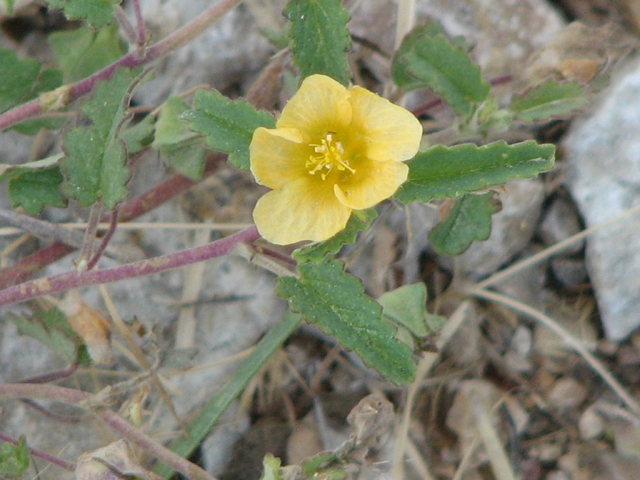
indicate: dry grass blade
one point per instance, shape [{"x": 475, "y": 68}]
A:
[
  {"x": 417, "y": 462},
  {"x": 549, "y": 252},
  {"x": 424, "y": 367},
  {"x": 406, "y": 19},
  {"x": 497, "y": 456},
  {"x": 186, "y": 327},
  {"x": 569, "y": 339}
]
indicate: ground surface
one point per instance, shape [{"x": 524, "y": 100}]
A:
[{"x": 505, "y": 392}]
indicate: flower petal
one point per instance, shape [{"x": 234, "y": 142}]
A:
[
  {"x": 305, "y": 210},
  {"x": 373, "y": 182},
  {"x": 321, "y": 105},
  {"x": 388, "y": 132},
  {"x": 278, "y": 156}
]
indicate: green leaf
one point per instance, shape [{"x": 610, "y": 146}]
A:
[
  {"x": 17, "y": 79},
  {"x": 136, "y": 137},
  {"x": 34, "y": 190},
  {"x": 271, "y": 468},
  {"x": 228, "y": 126},
  {"x": 469, "y": 219},
  {"x": 358, "y": 221},
  {"x": 22, "y": 80},
  {"x": 51, "y": 329},
  {"x": 202, "y": 423},
  {"x": 14, "y": 459},
  {"x": 188, "y": 157},
  {"x": 96, "y": 12},
  {"x": 8, "y": 4},
  {"x": 487, "y": 119},
  {"x": 8, "y": 171},
  {"x": 548, "y": 100},
  {"x": 184, "y": 149},
  {"x": 84, "y": 51},
  {"x": 401, "y": 76},
  {"x": 441, "y": 171},
  {"x": 430, "y": 61},
  {"x": 170, "y": 128},
  {"x": 95, "y": 157},
  {"x": 335, "y": 301},
  {"x": 406, "y": 306},
  {"x": 319, "y": 38},
  {"x": 314, "y": 464}
]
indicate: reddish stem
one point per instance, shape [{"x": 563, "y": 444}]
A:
[
  {"x": 142, "y": 34},
  {"x": 52, "y": 376},
  {"x": 75, "y": 279},
  {"x": 27, "y": 266},
  {"x": 45, "y": 456},
  {"x": 131, "y": 210},
  {"x": 113, "y": 223},
  {"x": 165, "y": 191}
]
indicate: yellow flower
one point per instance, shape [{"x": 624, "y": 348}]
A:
[{"x": 333, "y": 150}]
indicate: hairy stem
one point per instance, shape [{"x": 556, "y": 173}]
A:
[
  {"x": 142, "y": 34},
  {"x": 177, "y": 39},
  {"x": 76, "y": 279}
]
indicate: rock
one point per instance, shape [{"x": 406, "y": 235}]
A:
[
  {"x": 559, "y": 223},
  {"x": 557, "y": 475},
  {"x": 547, "y": 452},
  {"x": 569, "y": 272},
  {"x": 14, "y": 147},
  {"x": 517, "y": 356},
  {"x": 591, "y": 424},
  {"x": 626, "y": 437},
  {"x": 567, "y": 393},
  {"x": 527, "y": 286},
  {"x": 603, "y": 175}
]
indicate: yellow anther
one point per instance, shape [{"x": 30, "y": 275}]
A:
[{"x": 330, "y": 153}]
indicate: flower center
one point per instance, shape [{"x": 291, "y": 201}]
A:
[{"x": 329, "y": 154}]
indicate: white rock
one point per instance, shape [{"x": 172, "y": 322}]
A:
[
  {"x": 603, "y": 174},
  {"x": 567, "y": 393},
  {"x": 591, "y": 424}
]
